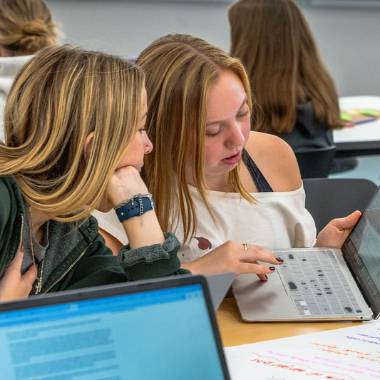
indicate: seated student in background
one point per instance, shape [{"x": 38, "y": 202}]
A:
[
  {"x": 26, "y": 26},
  {"x": 215, "y": 183},
  {"x": 75, "y": 140},
  {"x": 296, "y": 95}
]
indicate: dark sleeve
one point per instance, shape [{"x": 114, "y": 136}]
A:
[
  {"x": 99, "y": 267},
  {"x": 9, "y": 229},
  {"x": 158, "y": 260},
  {"x": 5, "y": 202}
]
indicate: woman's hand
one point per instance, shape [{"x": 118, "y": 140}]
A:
[
  {"x": 141, "y": 230},
  {"x": 14, "y": 285},
  {"x": 337, "y": 230},
  {"x": 124, "y": 184},
  {"x": 233, "y": 257}
]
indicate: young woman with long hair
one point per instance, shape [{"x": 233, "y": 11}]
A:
[
  {"x": 75, "y": 140},
  {"x": 296, "y": 95},
  {"x": 226, "y": 191}
]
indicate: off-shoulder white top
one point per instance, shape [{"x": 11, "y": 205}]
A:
[{"x": 276, "y": 220}]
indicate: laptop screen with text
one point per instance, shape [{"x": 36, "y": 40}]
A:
[{"x": 152, "y": 334}]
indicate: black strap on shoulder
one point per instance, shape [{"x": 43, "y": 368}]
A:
[{"x": 257, "y": 177}]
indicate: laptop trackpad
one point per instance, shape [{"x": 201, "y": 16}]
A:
[{"x": 263, "y": 301}]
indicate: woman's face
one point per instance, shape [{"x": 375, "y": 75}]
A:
[
  {"x": 135, "y": 151},
  {"x": 227, "y": 126},
  {"x": 140, "y": 143}
]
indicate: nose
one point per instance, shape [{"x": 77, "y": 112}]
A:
[
  {"x": 148, "y": 146},
  {"x": 235, "y": 137}
]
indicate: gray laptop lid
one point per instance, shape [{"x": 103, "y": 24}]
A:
[
  {"x": 157, "y": 330},
  {"x": 218, "y": 285}
]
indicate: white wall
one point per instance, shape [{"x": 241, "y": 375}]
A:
[
  {"x": 348, "y": 38},
  {"x": 126, "y": 27},
  {"x": 349, "y": 43}
]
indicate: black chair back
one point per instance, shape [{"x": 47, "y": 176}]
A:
[
  {"x": 315, "y": 163},
  {"x": 329, "y": 198}
]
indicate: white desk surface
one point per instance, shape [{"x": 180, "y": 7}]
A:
[{"x": 361, "y": 133}]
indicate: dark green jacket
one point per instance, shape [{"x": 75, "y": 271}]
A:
[{"x": 89, "y": 262}]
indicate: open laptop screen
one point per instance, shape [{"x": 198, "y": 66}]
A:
[
  {"x": 362, "y": 252},
  {"x": 153, "y": 334}
]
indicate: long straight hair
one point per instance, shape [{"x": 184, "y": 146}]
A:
[
  {"x": 276, "y": 46},
  {"x": 179, "y": 71},
  {"x": 59, "y": 98}
]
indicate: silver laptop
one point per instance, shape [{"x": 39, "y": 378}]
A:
[
  {"x": 163, "y": 329},
  {"x": 320, "y": 283},
  {"x": 218, "y": 286}
]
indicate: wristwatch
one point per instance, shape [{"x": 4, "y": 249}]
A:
[{"x": 136, "y": 206}]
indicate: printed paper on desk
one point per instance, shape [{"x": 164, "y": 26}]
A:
[{"x": 344, "y": 354}]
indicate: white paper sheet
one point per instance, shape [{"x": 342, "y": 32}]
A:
[{"x": 344, "y": 354}]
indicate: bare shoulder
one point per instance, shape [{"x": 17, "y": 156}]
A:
[{"x": 276, "y": 160}]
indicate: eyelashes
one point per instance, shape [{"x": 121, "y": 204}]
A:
[
  {"x": 217, "y": 128},
  {"x": 213, "y": 133},
  {"x": 243, "y": 114}
]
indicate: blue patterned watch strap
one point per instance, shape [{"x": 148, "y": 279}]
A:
[{"x": 136, "y": 206}]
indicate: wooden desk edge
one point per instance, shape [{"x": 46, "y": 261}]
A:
[{"x": 235, "y": 332}]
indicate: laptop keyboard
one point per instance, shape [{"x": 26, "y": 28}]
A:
[{"x": 316, "y": 284}]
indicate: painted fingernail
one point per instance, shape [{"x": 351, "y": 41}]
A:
[
  {"x": 279, "y": 259},
  {"x": 272, "y": 268},
  {"x": 265, "y": 278}
]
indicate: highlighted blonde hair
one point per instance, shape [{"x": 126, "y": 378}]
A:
[
  {"x": 180, "y": 69},
  {"x": 26, "y": 26},
  {"x": 276, "y": 46},
  {"x": 59, "y": 98}
]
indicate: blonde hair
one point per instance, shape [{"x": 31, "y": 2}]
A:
[
  {"x": 276, "y": 46},
  {"x": 26, "y": 26},
  {"x": 180, "y": 69},
  {"x": 59, "y": 98}
]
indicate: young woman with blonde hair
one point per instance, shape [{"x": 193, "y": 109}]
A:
[
  {"x": 216, "y": 184},
  {"x": 296, "y": 95},
  {"x": 75, "y": 141},
  {"x": 26, "y": 26}
]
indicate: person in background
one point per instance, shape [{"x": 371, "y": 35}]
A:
[
  {"x": 295, "y": 94},
  {"x": 26, "y": 26},
  {"x": 229, "y": 194},
  {"x": 75, "y": 140}
]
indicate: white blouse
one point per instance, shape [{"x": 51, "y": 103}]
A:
[
  {"x": 276, "y": 220},
  {"x": 109, "y": 222},
  {"x": 9, "y": 68}
]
